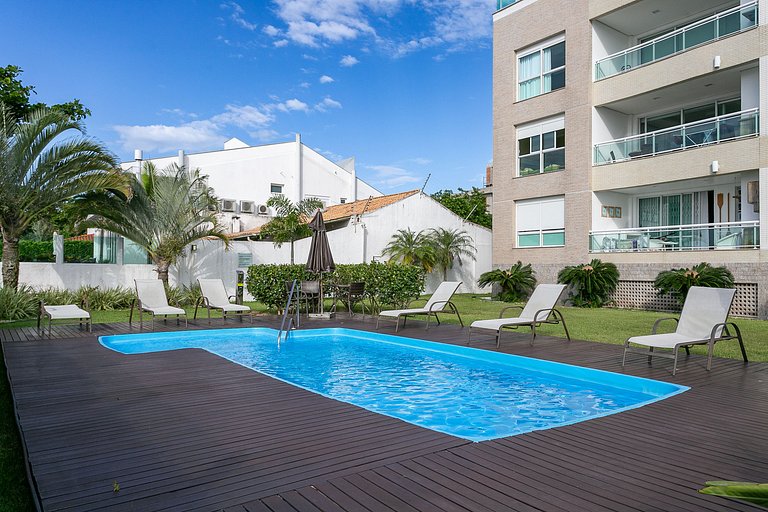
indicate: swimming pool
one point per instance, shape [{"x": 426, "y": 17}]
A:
[{"x": 466, "y": 392}]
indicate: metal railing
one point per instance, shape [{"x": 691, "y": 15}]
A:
[
  {"x": 685, "y": 136},
  {"x": 689, "y": 237},
  {"x": 294, "y": 292},
  {"x": 725, "y": 23}
]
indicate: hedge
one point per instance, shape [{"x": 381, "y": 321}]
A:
[
  {"x": 75, "y": 251},
  {"x": 386, "y": 284}
]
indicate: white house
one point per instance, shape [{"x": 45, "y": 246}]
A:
[
  {"x": 244, "y": 177},
  {"x": 358, "y": 232}
]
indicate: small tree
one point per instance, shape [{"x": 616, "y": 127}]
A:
[
  {"x": 449, "y": 245},
  {"x": 411, "y": 248},
  {"x": 679, "y": 280},
  {"x": 592, "y": 284},
  {"x": 467, "y": 204},
  {"x": 290, "y": 223},
  {"x": 516, "y": 283},
  {"x": 167, "y": 211}
]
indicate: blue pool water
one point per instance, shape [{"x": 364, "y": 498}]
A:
[{"x": 466, "y": 392}]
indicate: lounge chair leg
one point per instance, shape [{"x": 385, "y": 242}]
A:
[
  {"x": 469, "y": 336},
  {"x": 377, "y": 322},
  {"x": 562, "y": 319},
  {"x": 498, "y": 339},
  {"x": 427, "y": 327},
  {"x": 687, "y": 350},
  {"x": 674, "y": 364},
  {"x": 397, "y": 325},
  {"x": 624, "y": 357},
  {"x": 533, "y": 333},
  {"x": 650, "y": 355}
]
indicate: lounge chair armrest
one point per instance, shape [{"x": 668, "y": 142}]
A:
[
  {"x": 658, "y": 322},
  {"x": 230, "y": 297},
  {"x": 501, "y": 314},
  {"x": 536, "y": 314},
  {"x": 724, "y": 326},
  {"x": 85, "y": 304},
  {"x": 440, "y": 302}
]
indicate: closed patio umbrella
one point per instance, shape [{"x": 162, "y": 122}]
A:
[{"x": 320, "y": 258}]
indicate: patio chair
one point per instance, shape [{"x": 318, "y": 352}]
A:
[
  {"x": 214, "y": 296},
  {"x": 436, "y": 304},
  {"x": 350, "y": 294},
  {"x": 151, "y": 298},
  {"x": 310, "y": 292},
  {"x": 540, "y": 309},
  {"x": 65, "y": 312},
  {"x": 703, "y": 321}
]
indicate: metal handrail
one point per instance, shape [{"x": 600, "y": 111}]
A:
[
  {"x": 709, "y": 225},
  {"x": 680, "y": 31},
  {"x": 294, "y": 292}
]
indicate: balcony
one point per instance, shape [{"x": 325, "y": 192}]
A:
[
  {"x": 500, "y": 4},
  {"x": 691, "y": 237},
  {"x": 722, "y": 24},
  {"x": 678, "y": 138}
]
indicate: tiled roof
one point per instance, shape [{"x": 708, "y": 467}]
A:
[
  {"x": 346, "y": 210},
  {"x": 81, "y": 238}
]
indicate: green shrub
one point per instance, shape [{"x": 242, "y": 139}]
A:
[
  {"x": 75, "y": 251},
  {"x": 591, "y": 284},
  {"x": 57, "y": 296},
  {"x": 184, "y": 295},
  {"x": 267, "y": 282},
  {"x": 516, "y": 283},
  {"x": 679, "y": 280},
  {"x": 389, "y": 284},
  {"x": 17, "y": 304}
]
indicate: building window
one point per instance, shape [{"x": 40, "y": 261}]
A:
[
  {"x": 541, "y": 147},
  {"x": 541, "y": 70},
  {"x": 276, "y": 188},
  {"x": 343, "y": 200},
  {"x": 541, "y": 222}
]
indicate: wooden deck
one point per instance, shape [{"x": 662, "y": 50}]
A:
[{"x": 187, "y": 430}]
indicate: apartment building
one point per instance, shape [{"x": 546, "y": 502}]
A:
[{"x": 631, "y": 131}]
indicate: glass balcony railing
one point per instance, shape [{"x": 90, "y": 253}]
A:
[
  {"x": 500, "y": 4},
  {"x": 710, "y": 29},
  {"x": 685, "y": 136},
  {"x": 691, "y": 237}
]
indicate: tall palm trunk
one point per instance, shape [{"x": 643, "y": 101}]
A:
[
  {"x": 10, "y": 261},
  {"x": 162, "y": 271},
  {"x": 292, "y": 251}
]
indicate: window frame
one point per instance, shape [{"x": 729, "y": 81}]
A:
[
  {"x": 272, "y": 188},
  {"x": 539, "y": 49},
  {"x": 536, "y": 129},
  {"x": 540, "y": 231}
]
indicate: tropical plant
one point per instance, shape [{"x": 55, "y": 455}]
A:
[
  {"x": 290, "y": 223},
  {"x": 467, "y": 204},
  {"x": 17, "y": 304},
  {"x": 39, "y": 170},
  {"x": 516, "y": 283},
  {"x": 166, "y": 211},
  {"x": 679, "y": 280},
  {"x": 449, "y": 245},
  {"x": 16, "y": 97},
  {"x": 409, "y": 248},
  {"x": 744, "y": 491},
  {"x": 591, "y": 284}
]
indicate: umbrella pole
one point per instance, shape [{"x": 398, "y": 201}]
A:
[{"x": 321, "y": 293}]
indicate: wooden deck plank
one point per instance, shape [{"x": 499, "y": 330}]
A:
[{"x": 186, "y": 430}]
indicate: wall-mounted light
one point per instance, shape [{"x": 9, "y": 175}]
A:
[
  {"x": 193, "y": 248},
  {"x": 716, "y": 62},
  {"x": 714, "y": 167}
]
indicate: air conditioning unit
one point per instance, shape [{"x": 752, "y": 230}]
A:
[
  {"x": 228, "y": 205},
  {"x": 247, "y": 207},
  {"x": 262, "y": 209}
]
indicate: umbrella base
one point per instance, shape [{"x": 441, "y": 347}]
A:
[{"x": 322, "y": 316}]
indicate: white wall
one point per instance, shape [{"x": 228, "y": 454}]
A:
[
  {"x": 74, "y": 275},
  {"x": 607, "y": 41},
  {"x": 609, "y": 125},
  {"x": 600, "y": 199}
]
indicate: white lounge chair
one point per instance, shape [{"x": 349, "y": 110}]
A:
[
  {"x": 702, "y": 322},
  {"x": 152, "y": 299},
  {"x": 214, "y": 296},
  {"x": 436, "y": 304},
  {"x": 540, "y": 309},
  {"x": 66, "y": 312}
]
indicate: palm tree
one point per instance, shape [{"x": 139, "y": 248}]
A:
[
  {"x": 450, "y": 245},
  {"x": 166, "y": 211},
  {"x": 411, "y": 248},
  {"x": 38, "y": 171},
  {"x": 290, "y": 223}
]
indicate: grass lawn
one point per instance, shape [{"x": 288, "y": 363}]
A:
[{"x": 601, "y": 325}]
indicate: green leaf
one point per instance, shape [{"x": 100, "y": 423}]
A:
[{"x": 745, "y": 491}]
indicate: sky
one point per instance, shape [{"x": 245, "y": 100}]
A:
[{"x": 404, "y": 86}]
